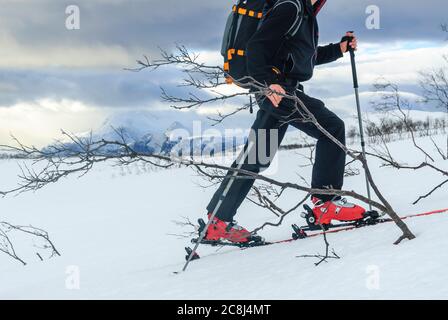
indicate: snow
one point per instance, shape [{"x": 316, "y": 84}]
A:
[{"x": 112, "y": 228}]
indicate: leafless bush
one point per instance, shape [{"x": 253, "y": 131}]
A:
[
  {"x": 8, "y": 248},
  {"x": 394, "y": 105}
]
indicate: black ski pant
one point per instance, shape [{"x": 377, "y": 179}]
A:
[{"x": 271, "y": 124}]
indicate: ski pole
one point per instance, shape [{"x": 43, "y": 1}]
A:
[
  {"x": 240, "y": 162},
  {"x": 358, "y": 105}
]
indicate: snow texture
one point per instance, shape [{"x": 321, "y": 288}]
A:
[{"x": 112, "y": 228}]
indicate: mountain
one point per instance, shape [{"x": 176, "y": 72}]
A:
[{"x": 146, "y": 132}]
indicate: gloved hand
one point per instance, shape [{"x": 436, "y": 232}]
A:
[{"x": 349, "y": 41}]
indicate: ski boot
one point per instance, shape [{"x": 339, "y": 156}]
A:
[
  {"x": 323, "y": 214},
  {"x": 220, "y": 232}
]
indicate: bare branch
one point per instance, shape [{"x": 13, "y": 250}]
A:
[{"x": 60, "y": 161}]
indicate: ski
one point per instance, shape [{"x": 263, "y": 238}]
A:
[
  {"x": 219, "y": 243},
  {"x": 300, "y": 233}
]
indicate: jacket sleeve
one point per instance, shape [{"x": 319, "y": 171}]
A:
[
  {"x": 330, "y": 53},
  {"x": 265, "y": 43}
]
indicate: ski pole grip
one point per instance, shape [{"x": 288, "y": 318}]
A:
[{"x": 349, "y": 41}]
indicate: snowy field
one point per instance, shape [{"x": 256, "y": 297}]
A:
[{"x": 112, "y": 228}]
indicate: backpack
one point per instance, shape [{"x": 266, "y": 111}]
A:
[{"x": 244, "y": 20}]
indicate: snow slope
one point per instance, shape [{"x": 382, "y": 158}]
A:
[{"x": 113, "y": 225}]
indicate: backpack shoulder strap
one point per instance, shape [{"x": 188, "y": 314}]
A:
[{"x": 299, "y": 18}]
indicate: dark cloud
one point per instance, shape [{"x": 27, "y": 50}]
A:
[
  {"x": 148, "y": 24},
  {"x": 98, "y": 88},
  {"x": 400, "y": 19},
  {"x": 199, "y": 23}
]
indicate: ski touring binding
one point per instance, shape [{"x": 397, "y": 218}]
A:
[
  {"x": 308, "y": 215},
  {"x": 299, "y": 233},
  {"x": 189, "y": 252}
]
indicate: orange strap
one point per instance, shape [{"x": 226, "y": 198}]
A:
[
  {"x": 245, "y": 12},
  {"x": 232, "y": 52}
]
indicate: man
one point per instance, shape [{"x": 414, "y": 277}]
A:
[{"x": 282, "y": 62}]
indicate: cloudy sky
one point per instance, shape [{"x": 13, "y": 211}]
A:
[{"x": 53, "y": 78}]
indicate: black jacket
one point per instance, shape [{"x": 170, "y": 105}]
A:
[{"x": 270, "y": 50}]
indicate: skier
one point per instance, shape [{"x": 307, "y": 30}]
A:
[{"x": 283, "y": 63}]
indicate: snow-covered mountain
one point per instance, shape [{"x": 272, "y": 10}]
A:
[
  {"x": 148, "y": 132},
  {"x": 142, "y": 130}
]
